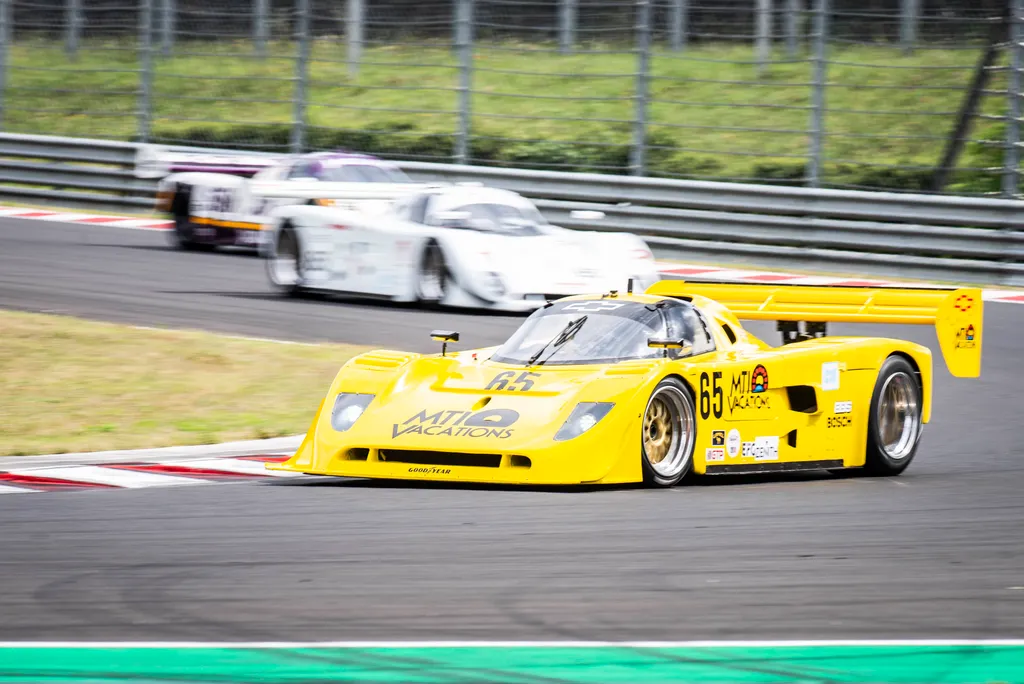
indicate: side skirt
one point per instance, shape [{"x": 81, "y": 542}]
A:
[{"x": 753, "y": 468}]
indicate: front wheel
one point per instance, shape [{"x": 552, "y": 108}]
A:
[
  {"x": 433, "y": 275},
  {"x": 284, "y": 264},
  {"x": 894, "y": 426},
  {"x": 669, "y": 434}
]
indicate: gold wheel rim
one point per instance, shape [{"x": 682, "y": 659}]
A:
[
  {"x": 658, "y": 431},
  {"x": 898, "y": 416}
]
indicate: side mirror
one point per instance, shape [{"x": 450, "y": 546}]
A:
[
  {"x": 444, "y": 337},
  {"x": 586, "y": 215},
  {"x": 666, "y": 344}
]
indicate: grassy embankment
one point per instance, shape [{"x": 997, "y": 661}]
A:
[
  {"x": 74, "y": 385},
  {"x": 197, "y": 98}
]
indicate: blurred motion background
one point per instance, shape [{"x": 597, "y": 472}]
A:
[{"x": 919, "y": 95}]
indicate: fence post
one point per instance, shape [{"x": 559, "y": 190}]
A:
[
  {"x": 793, "y": 10},
  {"x": 566, "y": 25},
  {"x": 637, "y": 153},
  {"x": 302, "y": 39},
  {"x": 354, "y": 36},
  {"x": 145, "y": 104},
  {"x": 817, "y": 137},
  {"x": 6, "y": 22},
  {"x": 167, "y": 16},
  {"x": 909, "y": 15},
  {"x": 73, "y": 28},
  {"x": 464, "y": 45},
  {"x": 677, "y": 24},
  {"x": 764, "y": 36},
  {"x": 260, "y": 27},
  {"x": 1011, "y": 154}
]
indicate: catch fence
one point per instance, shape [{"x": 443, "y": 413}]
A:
[{"x": 918, "y": 95}]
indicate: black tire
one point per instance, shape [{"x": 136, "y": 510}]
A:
[
  {"x": 894, "y": 424},
  {"x": 182, "y": 236},
  {"x": 432, "y": 276},
  {"x": 287, "y": 247},
  {"x": 675, "y": 398}
]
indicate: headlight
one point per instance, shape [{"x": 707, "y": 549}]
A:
[
  {"x": 582, "y": 418},
  {"x": 347, "y": 409}
]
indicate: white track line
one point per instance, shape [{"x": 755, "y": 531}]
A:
[
  {"x": 7, "y": 489},
  {"x": 804, "y": 643},
  {"x": 113, "y": 477},
  {"x": 232, "y": 465}
]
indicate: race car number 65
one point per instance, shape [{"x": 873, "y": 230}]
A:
[{"x": 706, "y": 399}]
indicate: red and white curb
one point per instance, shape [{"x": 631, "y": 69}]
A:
[
  {"x": 144, "y": 468},
  {"x": 668, "y": 268}
]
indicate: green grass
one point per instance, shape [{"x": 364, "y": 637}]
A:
[
  {"x": 699, "y": 127},
  {"x": 73, "y": 385}
]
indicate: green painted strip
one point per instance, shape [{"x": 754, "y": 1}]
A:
[{"x": 975, "y": 664}]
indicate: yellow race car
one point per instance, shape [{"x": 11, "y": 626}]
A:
[{"x": 620, "y": 388}]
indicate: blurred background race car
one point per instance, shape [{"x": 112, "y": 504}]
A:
[
  {"x": 226, "y": 199},
  {"x": 465, "y": 246}
]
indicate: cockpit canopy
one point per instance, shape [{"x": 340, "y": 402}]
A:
[{"x": 577, "y": 332}]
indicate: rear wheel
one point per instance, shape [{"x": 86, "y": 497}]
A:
[
  {"x": 284, "y": 265},
  {"x": 182, "y": 235},
  {"x": 669, "y": 434},
  {"x": 894, "y": 425},
  {"x": 432, "y": 278}
]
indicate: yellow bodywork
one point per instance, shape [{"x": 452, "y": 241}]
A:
[{"x": 462, "y": 417}]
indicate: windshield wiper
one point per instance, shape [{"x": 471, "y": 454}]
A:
[{"x": 567, "y": 333}]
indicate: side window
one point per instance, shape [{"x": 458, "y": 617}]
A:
[
  {"x": 418, "y": 209},
  {"x": 687, "y": 323},
  {"x": 302, "y": 169}
]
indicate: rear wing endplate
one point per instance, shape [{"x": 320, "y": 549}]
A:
[{"x": 955, "y": 313}]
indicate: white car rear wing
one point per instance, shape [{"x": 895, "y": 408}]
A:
[{"x": 155, "y": 161}]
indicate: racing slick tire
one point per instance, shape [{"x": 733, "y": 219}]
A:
[
  {"x": 432, "y": 276},
  {"x": 182, "y": 235},
  {"x": 894, "y": 424},
  {"x": 284, "y": 264},
  {"x": 668, "y": 434}
]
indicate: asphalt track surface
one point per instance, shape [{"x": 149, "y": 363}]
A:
[{"x": 938, "y": 552}]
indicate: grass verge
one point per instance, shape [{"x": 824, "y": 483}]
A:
[
  {"x": 711, "y": 115},
  {"x": 73, "y": 385}
]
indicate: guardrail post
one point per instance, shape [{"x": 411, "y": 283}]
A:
[
  {"x": 354, "y": 36},
  {"x": 793, "y": 10},
  {"x": 73, "y": 28},
  {"x": 464, "y": 46},
  {"x": 260, "y": 26},
  {"x": 298, "y": 141},
  {"x": 1011, "y": 153},
  {"x": 764, "y": 36},
  {"x": 6, "y": 21},
  {"x": 145, "y": 69},
  {"x": 817, "y": 137},
  {"x": 909, "y": 15},
  {"x": 677, "y": 24},
  {"x": 638, "y": 151},
  {"x": 566, "y": 25},
  {"x": 167, "y": 16}
]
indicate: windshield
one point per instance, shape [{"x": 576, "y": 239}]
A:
[
  {"x": 502, "y": 218},
  {"x": 362, "y": 173},
  {"x": 602, "y": 331}
]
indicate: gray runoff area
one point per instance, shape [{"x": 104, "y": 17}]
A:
[{"x": 937, "y": 552}]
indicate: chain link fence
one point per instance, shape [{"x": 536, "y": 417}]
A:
[{"x": 919, "y": 95}]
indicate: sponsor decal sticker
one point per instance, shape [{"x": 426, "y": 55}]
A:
[
  {"x": 732, "y": 444},
  {"x": 830, "y": 376},
  {"x": 965, "y": 338},
  {"x": 487, "y": 423},
  {"x": 762, "y": 449},
  {"x": 714, "y": 455},
  {"x": 839, "y": 421},
  {"x": 430, "y": 470},
  {"x": 963, "y": 303},
  {"x": 748, "y": 389},
  {"x": 718, "y": 438},
  {"x": 842, "y": 407}
]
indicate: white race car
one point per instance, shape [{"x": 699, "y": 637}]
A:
[
  {"x": 213, "y": 202},
  {"x": 464, "y": 246}
]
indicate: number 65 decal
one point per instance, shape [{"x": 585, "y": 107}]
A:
[
  {"x": 504, "y": 380},
  {"x": 714, "y": 400}
]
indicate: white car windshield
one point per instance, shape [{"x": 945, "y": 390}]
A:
[
  {"x": 602, "y": 331},
  {"x": 502, "y": 218},
  {"x": 361, "y": 173}
]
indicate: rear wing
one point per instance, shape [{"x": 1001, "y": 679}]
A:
[
  {"x": 155, "y": 161},
  {"x": 955, "y": 313}
]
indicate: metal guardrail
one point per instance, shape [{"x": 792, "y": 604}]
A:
[{"x": 935, "y": 237}]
